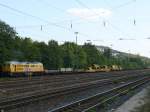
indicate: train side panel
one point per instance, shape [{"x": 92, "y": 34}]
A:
[{"x": 23, "y": 67}]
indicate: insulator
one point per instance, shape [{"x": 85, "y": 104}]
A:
[
  {"x": 134, "y": 22},
  {"x": 41, "y": 28},
  {"x": 104, "y": 23},
  {"x": 71, "y": 25}
]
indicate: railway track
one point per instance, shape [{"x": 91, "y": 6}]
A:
[
  {"x": 67, "y": 88},
  {"x": 39, "y": 80},
  {"x": 18, "y": 88},
  {"x": 90, "y": 103},
  {"x": 22, "y": 100},
  {"x": 61, "y": 77},
  {"x": 86, "y": 82}
]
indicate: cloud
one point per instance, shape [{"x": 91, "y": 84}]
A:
[{"x": 90, "y": 14}]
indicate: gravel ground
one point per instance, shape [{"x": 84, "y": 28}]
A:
[
  {"x": 133, "y": 102},
  {"x": 54, "y": 102},
  {"x": 49, "y": 104}
]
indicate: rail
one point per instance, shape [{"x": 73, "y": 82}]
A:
[{"x": 79, "y": 106}]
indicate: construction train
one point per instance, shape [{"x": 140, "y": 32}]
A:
[{"x": 30, "y": 68}]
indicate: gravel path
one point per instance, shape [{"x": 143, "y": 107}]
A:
[{"x": 133, "y": 102}]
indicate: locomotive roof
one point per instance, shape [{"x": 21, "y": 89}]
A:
[{"x": 17, "y": 62}]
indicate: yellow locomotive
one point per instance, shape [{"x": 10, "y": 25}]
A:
[
  {"x": 22, "y": 67},
  {"x": 115, "y": 67},
  {"x": 103, "y": 68}
]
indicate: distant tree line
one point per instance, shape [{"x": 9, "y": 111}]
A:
[{"x": 54, "y": 56}]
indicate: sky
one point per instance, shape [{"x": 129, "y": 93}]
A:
[{"x": 121, "y": 24}]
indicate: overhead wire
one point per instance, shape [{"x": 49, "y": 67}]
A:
[
  {"x": 52, "y": 6},
  {"x": 32, "y": 16},
  {"x": 107, "y": 3},
  {"x": 39, "y": 18},
  {"x": 59, "y": 9},
  {"x": 124, "y": 4},
  {"x": 83, "y": 5},
  {"x": 62, "y": 10},
  {"x": 104, "y": 23}
]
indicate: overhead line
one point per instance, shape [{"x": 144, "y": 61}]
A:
[
  {"x": 40, "y": 19},
  {"x": 124, "y": 4},
  {"x": 32, "y": 16},
  {"x": 82, "y": 4},
  {"x": 113, "y": 26},
  {"x": 79, "y": 2},
  {"x": 50, "y": 5}
]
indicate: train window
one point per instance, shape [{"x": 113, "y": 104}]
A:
[
  {"x": 26, "y": 65},
  {"x": 19, "y": 65},
  {"x": 32, "y": 66}
]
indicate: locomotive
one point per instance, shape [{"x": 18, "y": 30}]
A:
[
  {"x": 17, "y": 68},
  {"x": 103, "y": 68}
]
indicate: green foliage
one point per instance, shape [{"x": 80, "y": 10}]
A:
[
  {"x": 93, "y": 55},
  {"x": 7, "y": 35},
  {"x": 54, "y": 56},
  {"x": 54, "y": 52},
  {"x": 107, "y": 53},
  {"x": 69, "y": 54}
]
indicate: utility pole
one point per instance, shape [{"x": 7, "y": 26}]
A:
[
  {"x": 76, "y": 64},
  {"x": 76, "y": 33},
  {"x": 128, "y": 56}
]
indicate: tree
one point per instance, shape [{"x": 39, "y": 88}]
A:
[
  {"x": 7, "y": 35},
  {"x": 29, "y": 50},
  {"x": 6, "y": 30},
  {"x": 107, "y": 53},
  {"x": 68, "y": 54},
  {"x": 81, "y": 58},
  {"x": 93, "y": 55},
  {"x": 55, "y": 58},
  {"x": 44, "y": 53}
]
